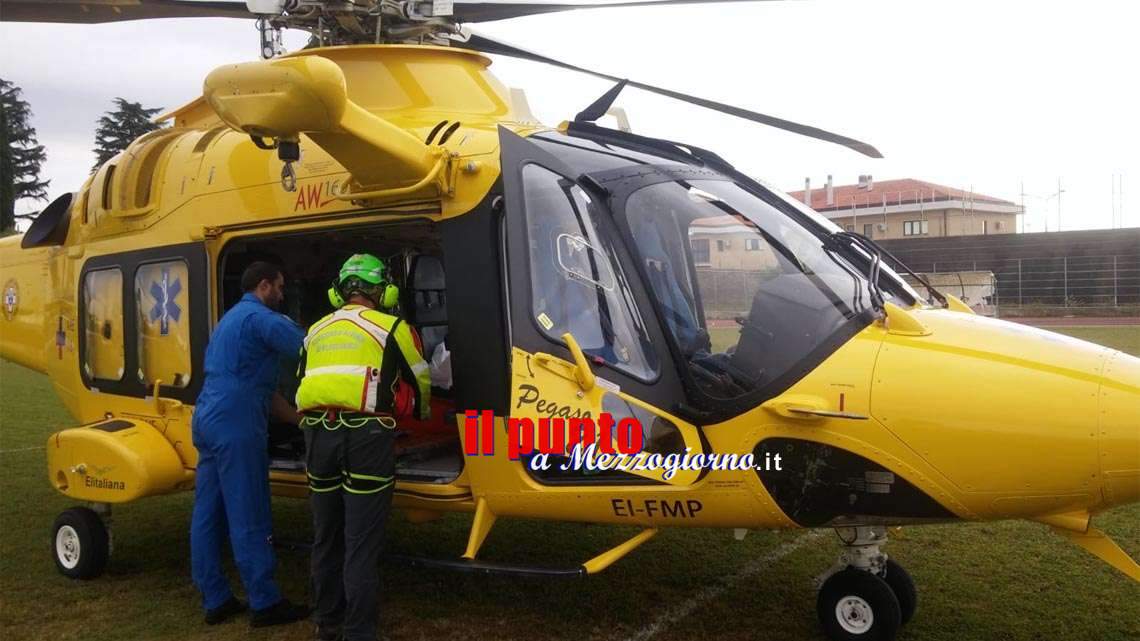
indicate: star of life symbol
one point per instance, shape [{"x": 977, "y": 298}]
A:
[{"x": 165, "y": 295}]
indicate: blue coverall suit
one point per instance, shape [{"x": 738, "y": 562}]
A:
[{"x": 231, "y": 492}]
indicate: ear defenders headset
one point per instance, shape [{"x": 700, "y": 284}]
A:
[{"x": 388, "y": 299}]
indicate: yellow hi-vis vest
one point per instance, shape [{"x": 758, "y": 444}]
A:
[{"x": 352, "y": 360}]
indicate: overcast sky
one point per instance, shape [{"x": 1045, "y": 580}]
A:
[{"x": 981, "y": 94}]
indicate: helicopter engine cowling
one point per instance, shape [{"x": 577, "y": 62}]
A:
[{"x": 1020, "y": 420}]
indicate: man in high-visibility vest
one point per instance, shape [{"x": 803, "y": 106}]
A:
[{"x": 360, "y": 370}]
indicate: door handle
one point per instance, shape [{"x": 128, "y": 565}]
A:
[
  {"x": 826, "y": 413},
  {"x": 804, "y": 407},
  {"x": 579, "y": 371},
  {"x": 582, "y": 372}
]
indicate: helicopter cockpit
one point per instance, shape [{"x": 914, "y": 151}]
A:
[
  {"x": 745, "y": 291},
  {"x": 749, "y": 290}
]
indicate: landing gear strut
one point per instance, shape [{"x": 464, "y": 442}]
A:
[{"x": 867, "y": 596}]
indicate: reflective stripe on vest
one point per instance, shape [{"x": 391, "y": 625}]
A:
[
  {"x": 343, "y": 355},
  {"x": 353, "y": 315}
]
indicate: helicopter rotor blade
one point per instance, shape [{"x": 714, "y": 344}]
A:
[
  {"x": 491, "y": 11},
  {"x": 485, "y": 44},
  {"x": 100, "y": 11}
]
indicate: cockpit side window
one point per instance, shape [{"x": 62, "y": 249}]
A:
[{"x": 576, "y": 284}]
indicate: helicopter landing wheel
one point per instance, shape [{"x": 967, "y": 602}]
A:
[
  {"x": 903, "y": 586},
  {"x": 855, "y": 605},
  {"x": 868, "y": 596},
  {"x": 80, "y": 543}
]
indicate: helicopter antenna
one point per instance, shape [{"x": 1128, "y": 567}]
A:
[{"x": 602, "y": 105}]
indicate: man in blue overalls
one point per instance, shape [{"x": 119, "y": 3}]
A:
[{"x": 231, "y": 493}]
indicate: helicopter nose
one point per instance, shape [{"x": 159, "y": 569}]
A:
[
  {"x": 1120, "y": 429},
  {"x": 1020, "y": 420}
]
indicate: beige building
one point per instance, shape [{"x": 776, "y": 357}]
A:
[
  {"x": 725, "y": 243},
  {"x": 910, "y": 208}
]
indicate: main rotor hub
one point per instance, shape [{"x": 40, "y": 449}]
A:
[{"x": 350, "y": 22}]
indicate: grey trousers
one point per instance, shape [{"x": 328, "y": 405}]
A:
[{"x": 351, "y": 479}]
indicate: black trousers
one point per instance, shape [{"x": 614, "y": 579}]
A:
[{"x": 351, "y": 479}]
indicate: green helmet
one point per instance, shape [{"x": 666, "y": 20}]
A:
[
  {"x": 366, "y": 267},
  {"x": 364, "y": 274}
]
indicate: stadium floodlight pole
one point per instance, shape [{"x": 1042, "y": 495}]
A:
[
  {"x": 1045, "y": 200},
  {"x": 1057, "y": 195},
  {"x": 1059, "y": 192}
]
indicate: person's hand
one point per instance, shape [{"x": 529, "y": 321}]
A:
[{"x": 281, "y": 410}]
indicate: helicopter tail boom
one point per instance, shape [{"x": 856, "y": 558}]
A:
[{"x": 24, "y": 333}]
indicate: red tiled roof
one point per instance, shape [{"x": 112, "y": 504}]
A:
[
  {"x": 718, "y": 221},
  {"x": 892, "y": 192}
]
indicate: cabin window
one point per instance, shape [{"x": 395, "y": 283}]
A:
[
  {"x": 102, "y": 303},
  {"x": 162, "y": 310},
  {"x": 576, "y": 285}
]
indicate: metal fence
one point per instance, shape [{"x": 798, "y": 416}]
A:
[
  {"x": 728, "y": 293},
  {"x": 1045, "y": 285},
  {"x": 1058, "y": 281}
]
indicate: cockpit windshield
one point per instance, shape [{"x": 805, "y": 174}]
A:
[{"x": 746, "y": 291}]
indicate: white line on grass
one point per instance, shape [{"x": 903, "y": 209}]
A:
[
  {"x": 749, "y": 570},
  {"x": 21, "y": 449}
]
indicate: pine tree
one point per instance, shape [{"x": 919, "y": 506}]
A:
[
  {"x": 120, "y": 127},
  {"x": 21, "y": 156}
]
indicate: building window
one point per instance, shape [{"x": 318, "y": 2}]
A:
[
  {"x": 868, "y": 230},
  {"x": 700, "y": 248},
  {"x": 752, "y": 244},
  {"x": 915, "y": 228},
  {"x": 162, "y": 307},
  {"x": 103, "y": 356},
  {"x": 722, "y": 245},
  {"x": 985, "y": 227},
  {"x": 850, "y": 227}
]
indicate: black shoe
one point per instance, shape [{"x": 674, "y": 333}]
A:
[
  {"x": 279, "y": 613},
  {"x": 329, "y": 634},
  {"x": 225, "y": 611}
]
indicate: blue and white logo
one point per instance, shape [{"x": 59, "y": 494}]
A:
[{"x": 165, "y": 294}]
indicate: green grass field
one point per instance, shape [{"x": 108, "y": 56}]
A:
[{"x": 997, "y": 581}]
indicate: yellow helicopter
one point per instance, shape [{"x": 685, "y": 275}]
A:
[{"x": 568, "y": 270}]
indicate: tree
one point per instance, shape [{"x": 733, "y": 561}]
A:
[
  {"x": 120, "y": 127},
  {"x": 21, "y": 156}
]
